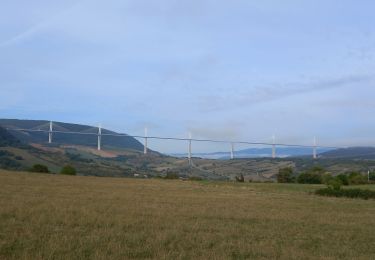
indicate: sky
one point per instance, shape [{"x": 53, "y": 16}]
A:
[{"x": 232, "y": 70}]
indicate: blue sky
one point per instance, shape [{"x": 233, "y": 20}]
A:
[{"x": 236, "y": 70}]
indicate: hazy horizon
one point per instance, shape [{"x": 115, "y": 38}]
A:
[{"x": 242, "y": 70}]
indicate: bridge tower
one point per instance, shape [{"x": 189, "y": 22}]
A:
[
  {"x": 145, "y": 146},
  {"x": 232, "y": 151},
  {"x": 314, "y": 148},
  {"x": 50, "y": 132},
  {"x": 99, "y": 137},
  {"x": 273, "y": 146},
  {"x": 189, "y": 150}
]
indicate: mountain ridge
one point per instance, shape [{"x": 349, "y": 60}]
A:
[
  {"x": 87, "y": 139},
  {"x": 356, "y": 152},
  {"x": 281, "y": 152}
]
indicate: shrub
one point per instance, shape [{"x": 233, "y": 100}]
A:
[
  {"x": 335, "y": 184},
  {"x": 317, "y": 169},
  {"x": 372, "y": 176},
  {"x": 310, "y": 178},
  {"x": 195, "y": 178},
  {"x": 68, "y": 170},
  {"x": 240, "y": 178},
  {"x": 356, "y": 178},
  {"x": 343, "y": 178},
  {"x": 39, "y": 168},
  {"x": 285, "y": 175},
  {"x": 171, "y": 176},
  {"x": 349, "y": 193},
  {"x": 327, "y": 178}
]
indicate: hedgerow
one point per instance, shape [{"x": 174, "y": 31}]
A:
[{"x": 349, "y": 193}]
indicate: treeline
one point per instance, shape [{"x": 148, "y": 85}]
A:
[
  {"x": 318, "y": 175},
  {"x": 66, "y": 170}
]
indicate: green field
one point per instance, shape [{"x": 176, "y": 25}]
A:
[{"x": 71, "y": 217}]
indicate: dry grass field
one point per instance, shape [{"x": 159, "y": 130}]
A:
[{"x": 69, "y": 217}]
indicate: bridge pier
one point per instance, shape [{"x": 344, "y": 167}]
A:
[
  {"x": 50, "y": 132},
  {"x": 145, "y": 145},
  {"x": 99, "y": 137}
]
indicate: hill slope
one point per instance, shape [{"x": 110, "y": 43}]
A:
[
  {"x": 7, "y": 139},
  {"x": 71, "y": 139},
  {"x": 124, "y": 162},
  {"x": 281, "y": 152},
  {"x": 352, "y": 153}
]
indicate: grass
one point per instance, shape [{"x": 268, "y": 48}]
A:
[{"x": 70, "y": 217}]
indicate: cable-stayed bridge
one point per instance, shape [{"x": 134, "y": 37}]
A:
[{"x": 52, "y": 128}]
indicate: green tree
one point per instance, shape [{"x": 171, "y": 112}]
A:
[
  {"x": 356, "y": 178},
  {"x": 285, "y": 175},
  {"x": 171, "y": 176},
  {"x": 372, "y": 176},
  {"x": 310, "y": 178},
  {"x": 317, "y": 169},
  {"x": 335, "y": 184},
  {"x": 68, "y": 170},
  {"x": 343, "y": 178},
  {"x": 327, "y": 178}
]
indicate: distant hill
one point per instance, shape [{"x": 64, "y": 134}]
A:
[
  {"x": 7, "y": 139},
  {"x": 351, "y": 153},
  {"x": 69, "y": 139},
  {"x": 281, "y": 152}
]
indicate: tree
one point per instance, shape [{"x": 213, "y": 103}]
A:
[
  {"x": 327, "y": 178},
  {"x": 39, "y": 168},
  {"x": 285, "y": 175},
  {"x": 310, "y": 178},
  {"x": 68, "y": 170},
  {"x": 335, "y": 184},
  {"x": 317, "y": 169},
  {"x": 316, "y": 175},
  {"x": 343, "y": 178},
  {"x": 356, "y": 178},
  {"x": 240, "y": 178},
  {"x": 372, "y": 176},
  {"x": 171, "y": 176}
]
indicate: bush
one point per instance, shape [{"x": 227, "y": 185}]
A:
[
  {"x": 349, "y": 193},
  {"x": 317, "y": 169},
  {"x": 343, "y": 178},
  {"x": 372, "y": 176},
  {"x": 356, "y": 178},
  {"x": 39, "y": 168},
  {"x": 240, "y": 178},
  {"x": 68, "y": 170},
  {"x": 285, "y": 175},
  {"x": 195, "y": 178},
  {"x": 327, "y": 178},
  {"x": 335, "y": 184},
  {"x": 315, "y": 175},
  {"x": 310, "y": 178},
  {"x": 171, "y": 176}
]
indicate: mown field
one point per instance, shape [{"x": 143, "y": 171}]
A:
[{"x": 71, "y": 217}]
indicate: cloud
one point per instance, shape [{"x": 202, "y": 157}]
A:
[
  {"x": 261, "y": 94},
  {"x": 39, "y": 27},
  {"x": 347, "y": 103},
  {"x": 216, "y": 130},
  {"x": 22, "y": 36}
]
